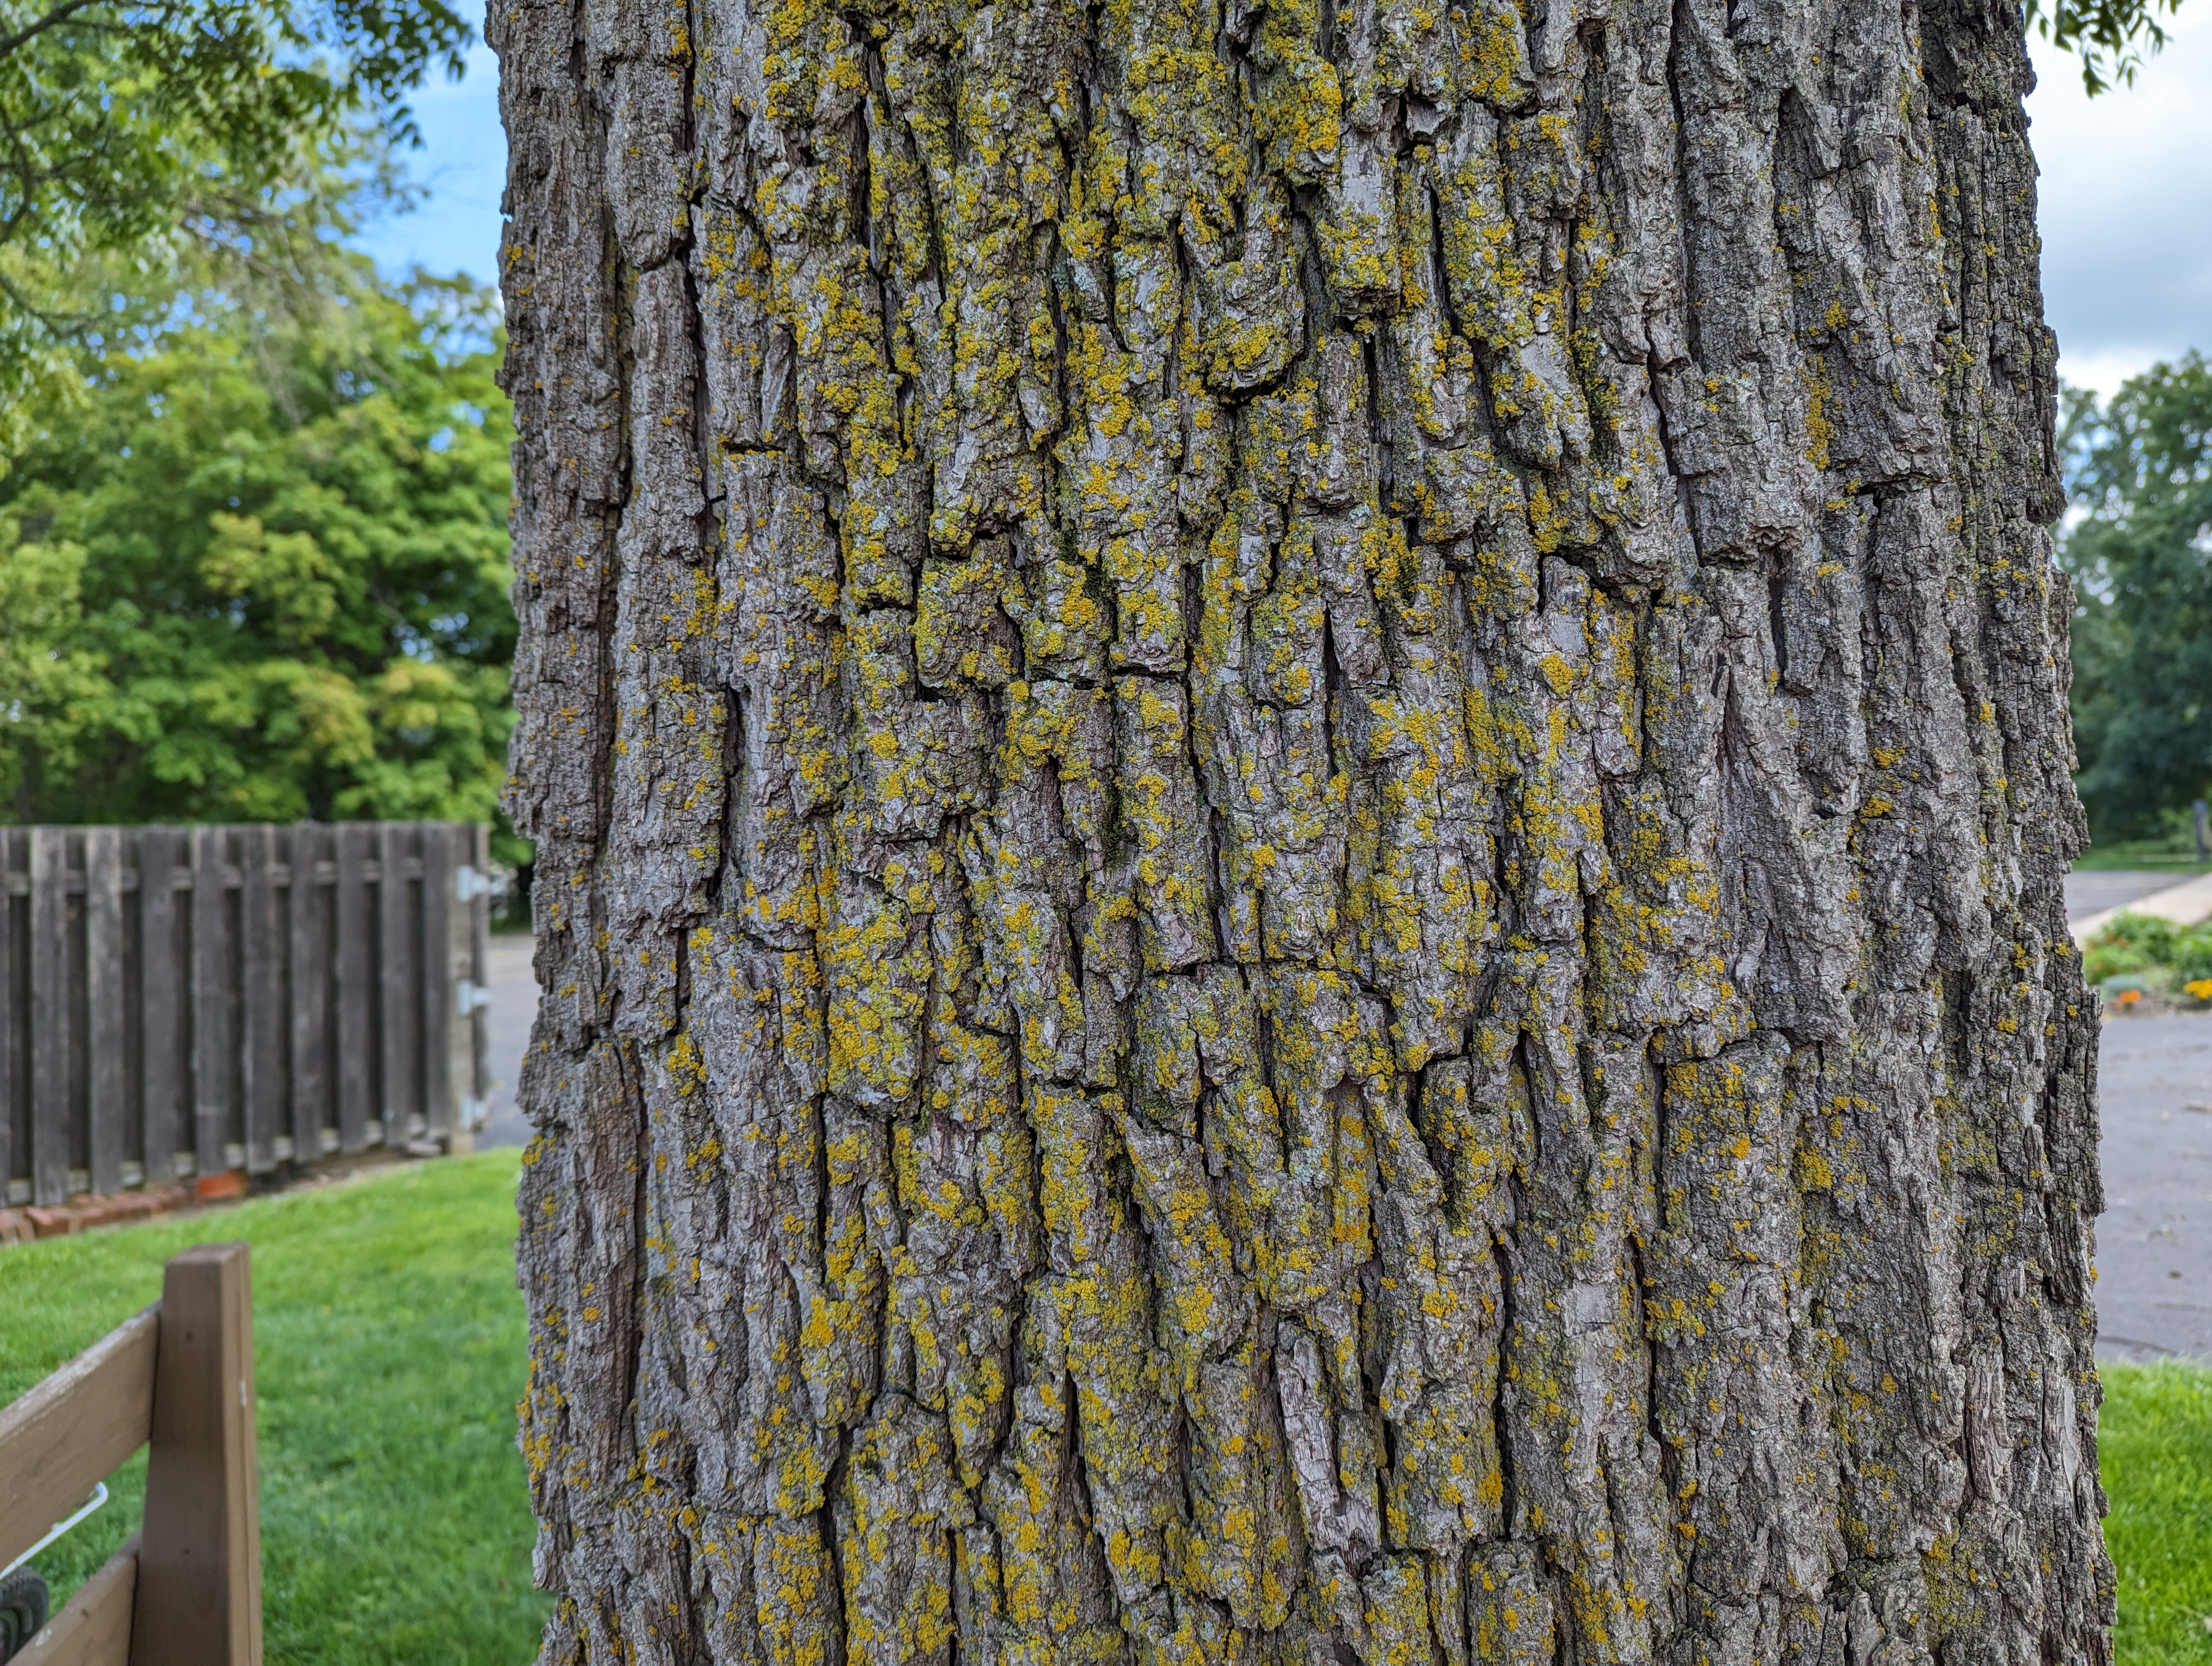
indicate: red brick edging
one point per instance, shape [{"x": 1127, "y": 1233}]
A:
[{"x": 90, "y": 1209}]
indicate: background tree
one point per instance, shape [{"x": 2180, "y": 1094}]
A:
[
  {"x": 249, "y": 571},
  {"x": 2140, "y": 472},
  {"x": 1301, "y": 783},
  {"x": 141, "y": 138}
]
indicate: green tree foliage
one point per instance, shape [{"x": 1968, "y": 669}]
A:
[
  {"x": 256, "y": 575},
  {"x": 2108, "y": 36},
  {"x": 2139, "y": 472},
  {"x": 134, "y": 135}
]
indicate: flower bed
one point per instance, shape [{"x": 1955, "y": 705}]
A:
[{"x": 2138, "y": 960}]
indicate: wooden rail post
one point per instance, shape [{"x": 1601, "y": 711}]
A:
[{"x": 199, "y": 1598}]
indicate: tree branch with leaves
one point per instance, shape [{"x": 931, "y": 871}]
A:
[
  {"x": 2110, "y": 37},
  {"x": 139, "y": 140}
]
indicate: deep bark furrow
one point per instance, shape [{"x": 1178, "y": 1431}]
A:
[{"x": 1301, "y": 779}]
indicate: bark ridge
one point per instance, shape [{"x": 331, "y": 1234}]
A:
[{"x": 1301, "y": 779}]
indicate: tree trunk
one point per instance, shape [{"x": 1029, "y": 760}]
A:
[{"x": 1301, "y": 777}]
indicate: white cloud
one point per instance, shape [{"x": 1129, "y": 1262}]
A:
[{"x": 2126, "y": 207}]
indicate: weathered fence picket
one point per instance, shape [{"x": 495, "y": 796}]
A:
[{"x": 178, "y": 1001}]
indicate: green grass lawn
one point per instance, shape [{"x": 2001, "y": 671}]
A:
[
  {"x": 2155, "y": 1445},
  {"x": 389, "y": 1348},
  {"x": 389, "y": 1353},
  {"x": 2174, "y": 852}
]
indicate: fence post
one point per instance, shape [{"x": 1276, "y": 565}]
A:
[
  {"x": 479, "y": 974},
  {"x": 352, "y": 929},
  {"x": 161, "y": 985},
  {"x": 441, "y": 1103},
  {"x": 198, "y": 1601},
  {"x": 399, "y": 927},
  {"x": 453, "y": 885},
  {"x": 261, "y": 981},
  {"x": 107, "y": 1101},
  {"x": 11, "y": 1053},
  {"x": 214, "y": 1053},
  {"x": 49, "y": 1015},
  {"x": 310, "y": 989}
]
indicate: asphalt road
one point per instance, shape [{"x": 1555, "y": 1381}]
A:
[{"x": 2153, "y": 1241}]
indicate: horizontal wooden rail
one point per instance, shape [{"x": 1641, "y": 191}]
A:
[
  {"x": 180, "y": 1377},
  {"x": 71, "y": 1432},
  {"x": 93, "y": 1628},
  {"x": 326, "y": 873}
]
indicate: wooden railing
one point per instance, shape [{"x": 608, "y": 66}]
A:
[
  {"x": 178, "y": 1001},
  {"x": 186, "y": 1592}
]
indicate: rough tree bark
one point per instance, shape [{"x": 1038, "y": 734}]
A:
[{"x": 1301, "y": 776}]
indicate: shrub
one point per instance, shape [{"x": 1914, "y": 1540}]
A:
[
  {"x": 2146, "y": 934},
  {"x": 2137, "y": 954},
  {"x": 2192, "y": 954},
  {"x": 2105, "y": 961}
]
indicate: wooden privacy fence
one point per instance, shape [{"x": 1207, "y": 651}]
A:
[
  {"x": 179, "y": 1377},
  {"x": 185, "y": 1000}
]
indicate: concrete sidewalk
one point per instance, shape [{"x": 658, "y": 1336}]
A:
[{"x": 2155, "y": 1239}]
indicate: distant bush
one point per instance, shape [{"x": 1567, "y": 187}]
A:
[
  {"x": 2143, "y": 953},
  {"x": 2103, "y": 961},
  {"x": 2192, "y": 955}
]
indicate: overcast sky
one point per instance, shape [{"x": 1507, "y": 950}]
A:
[
  {"x": 2127, "y": 208},
  {"x": 2127, "y": 200}
]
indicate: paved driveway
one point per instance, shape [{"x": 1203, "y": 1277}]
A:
[
  {"x": 2093, "y": 893},
  {"x": 514, "y": 1003},
  {"x": 2155, "y": 1239}
]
